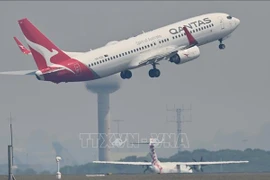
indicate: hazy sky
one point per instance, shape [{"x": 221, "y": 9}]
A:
[{"x": 228, "y": 90}]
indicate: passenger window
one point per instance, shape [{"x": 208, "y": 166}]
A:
[
  {"x": 95, "y": 63},
  {"x": 91, "y": 64},
  {"x": 131, "y": 51},
  {"x": 128, "y": 52},
  {"x": 229, "y": 17},
  {"x": 113, "y": 57},
  {"x": 119, "y": 55},
  {"x": 148, "y": 45},
  {"x": 103, "y": 60},
  {"x": 140, "y": 48},
  {"x": 154, "y": 43},
  {"x": 125, "y": 53}
]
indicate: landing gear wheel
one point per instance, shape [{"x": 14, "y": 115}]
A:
[
  {"x": 222, "y": 46},
  {"x": 126, "y": 74},
  {"x": 154, "y": 73},
  {"x": 157, "y": 73}
]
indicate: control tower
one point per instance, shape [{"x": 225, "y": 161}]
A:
[{"x": 103, "y": 88}]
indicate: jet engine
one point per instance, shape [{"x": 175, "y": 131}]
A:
[{"x": 186, "y": 55}]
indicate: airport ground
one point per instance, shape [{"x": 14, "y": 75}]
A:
[{"x": 219, "y": 176}]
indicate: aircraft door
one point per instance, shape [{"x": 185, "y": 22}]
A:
[{"x": 221, "y": 21}]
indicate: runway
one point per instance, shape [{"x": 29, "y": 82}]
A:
[{"x": 221, "y": 176}]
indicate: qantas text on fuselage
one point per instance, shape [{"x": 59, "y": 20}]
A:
[
  {"x": 177, "y": 43},
  {"x": 191, "y": 25}
]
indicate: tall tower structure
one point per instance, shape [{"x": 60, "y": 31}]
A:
[
  {"x": 103, "y": 88},
  {"x": 11, "y": 139},
  {"x": 179, "y": 120}
]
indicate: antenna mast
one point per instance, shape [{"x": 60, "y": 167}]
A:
[
  {"x": 11, "y": 139},
  {"x": 179, "y": 121}
]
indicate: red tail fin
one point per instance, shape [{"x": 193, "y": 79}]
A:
[{"x": 43, "y": 50}]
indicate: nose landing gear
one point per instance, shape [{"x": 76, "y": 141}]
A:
[{"x": 221, "y": 45}]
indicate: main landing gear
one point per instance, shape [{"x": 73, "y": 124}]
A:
[
  {"x": 126, "y": 74},
  {"x": 154, "y": 72},
  {"x": 221, "y": 45}
]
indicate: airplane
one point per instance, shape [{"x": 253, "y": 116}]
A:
[
  {"x": 177, "y": 43},
  {"x": 158, "y": 167}
]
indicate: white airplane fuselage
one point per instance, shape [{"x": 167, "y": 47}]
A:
[
  {"x": 166, "y": 168},
  {"x": 212, "y": 26}
]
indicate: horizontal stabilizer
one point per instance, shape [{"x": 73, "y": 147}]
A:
[{"x": 25, "y": 72}]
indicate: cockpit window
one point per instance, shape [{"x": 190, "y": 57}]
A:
[{"x": 229, "y": 17}]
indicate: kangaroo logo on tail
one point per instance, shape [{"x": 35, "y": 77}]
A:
[{"x": 46, "y": 54}]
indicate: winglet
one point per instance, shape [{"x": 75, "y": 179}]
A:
[
  {"x": 21, "y": 46},
  {"x": 191, "y": 39}
]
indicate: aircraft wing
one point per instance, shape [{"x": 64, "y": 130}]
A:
[
  {"x": 156, "y": 55},
  {"x": 206, "y": 163},
  {"x": 25, "y": 72},
  {"x": 123, "y": 163},
  {"x": 163, "y": 53}
]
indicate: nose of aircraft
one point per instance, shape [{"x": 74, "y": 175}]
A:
[{"x": 237, "y": 21}]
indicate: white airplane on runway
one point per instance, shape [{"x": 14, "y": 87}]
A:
[
  {"x": 177, "y": 43},
  {"x": 169, "y": 167}
]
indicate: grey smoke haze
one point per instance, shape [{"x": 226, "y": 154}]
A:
[{"x": 228, "y": 90}]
